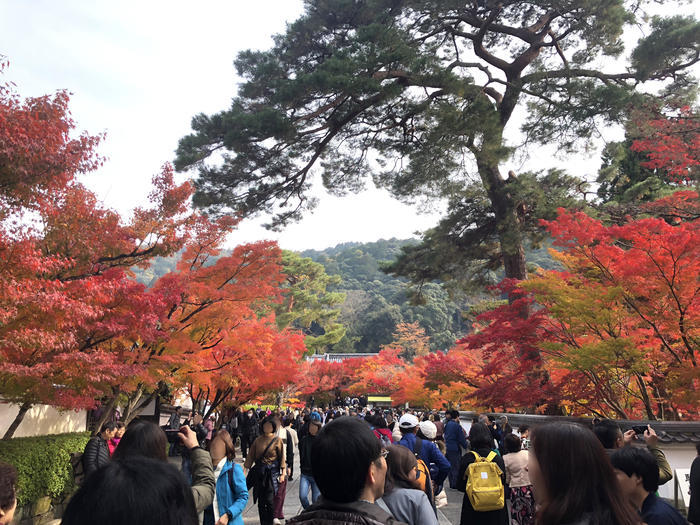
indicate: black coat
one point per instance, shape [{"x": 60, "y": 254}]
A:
[
  {"x": 694, "y": 509},
  {"x": 96, "y": 455},
  {"x": 248, "y": 426},
  {"x": 305, "y": 454},
  {"x": 469, "y": 515}
]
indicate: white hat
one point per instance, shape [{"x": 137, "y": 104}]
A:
[
  {"x": 408, "y": 421},
  {"x": 429, "y": 429}
]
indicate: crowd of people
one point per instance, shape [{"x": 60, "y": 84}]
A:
[{"x": 370, "y": 467}]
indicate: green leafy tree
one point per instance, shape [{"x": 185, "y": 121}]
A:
[
  {"x": 308, "y": 303},
  {"x": 463, "y": 250},
  {"x": 426, "y": 91}
]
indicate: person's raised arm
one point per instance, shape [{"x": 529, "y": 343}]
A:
[{"x": 203, "y": 481}]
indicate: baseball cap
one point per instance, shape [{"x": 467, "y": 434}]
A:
[
  {"x": 428, "y": 429},
  {"x": 315, "y": 416},
  {"x": 408, "y": 421}
]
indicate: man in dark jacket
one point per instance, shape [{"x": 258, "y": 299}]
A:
[
  {"x": 307, "y": 481},
  {"x": 249, "y": 430},
  {"x": 455, "y": 441},
  {"x": 347, "y": 461},
  {"x": 96, "y": 452},
  {"x": 638, "y": 476}
]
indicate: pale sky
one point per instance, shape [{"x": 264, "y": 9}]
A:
[{"x": 139, "y": 70}]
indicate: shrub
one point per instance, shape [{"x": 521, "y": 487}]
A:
[{"x": 43, "y": 464}]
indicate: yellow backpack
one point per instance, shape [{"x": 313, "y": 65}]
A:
[{"x": 484, "y": 485}]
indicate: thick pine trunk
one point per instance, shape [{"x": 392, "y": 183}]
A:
[
  {"x": 23, "y": 409},
  {"x": 508, "y": 223}
]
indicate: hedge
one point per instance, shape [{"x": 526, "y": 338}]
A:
[{"x": 43, "y": 464}]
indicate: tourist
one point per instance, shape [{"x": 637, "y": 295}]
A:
[
  {"x": 174, "y": 424},
  {"x": 174, "y": 421},
  {"x": 145, "y": 439},
  {"x": 455, "y": 445},
  {"x": 439, "y": 425},
  {"x": 572, "y": 479},
  {"x": 426, "y": 450},
  {"x": 140, "y": 491},
  {"x": 481, "y": 442},
  {"x": 231, "y": 493},
  {"x": 380, "y": 428},
  {"x": 292, "y": 437},
  {"x": 112, "y": 443},
  {"x": 610, "y": 435},
  {"x": 268, "y": 451},
  {"x": 402, "y": 494},
  {"x": 504, "y": 429},
  {"x": 347, "y": 461},
  {"x": 694, "y": 507},
  {"x": 249, "y": 431},
  {"x": 306, "y": 481},
  {"x": 288, "y": 446},
  {"x": 638, "y": 476},
  {"x": 524, "y": 431},
  {"x": 428, "y": 431},
  {"x": 522, "y": 502},
  {"x": 209, "y": 427},
  {"x": 96, "y": 452},
  {"x": 8, "y": 493}
]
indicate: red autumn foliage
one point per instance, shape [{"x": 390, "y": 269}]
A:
[
  {"x": 75, "y": 326},
  {"x": 672, "y": 144}
]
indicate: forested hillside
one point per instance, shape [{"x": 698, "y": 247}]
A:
[{"x": 376, "y": 303}]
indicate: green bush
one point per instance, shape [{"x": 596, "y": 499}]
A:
[{"x": 43, "y": 464}]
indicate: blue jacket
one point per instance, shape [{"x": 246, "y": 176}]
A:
[
  {"x": 232, "y": 499},
  {"x": 429, "y": 453},
  {"x": 454, "y": 436}
]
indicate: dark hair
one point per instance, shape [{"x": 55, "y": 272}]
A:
[
  {"x": 637, "y": 460},
  {"x": 120, "y": 424},
  {"x": 697, "y": 448},
  {"x": 376, "y": 420},
  {"x": 480, "y": 436},
  {"x": 109, "y": 425},
  {"x": 512, "y": 443},
  {"x": 454, "y": 414},
  {"x": 523, "y": 428},
  {"x": 607, "y": 431},
  {"x": 399, "y": 463},
  {"x": 142, "y": 438},
  {"x": 578, "y": 477},
  {"x": 8, "y": 485},
  {"x": 340, "y": 457},
  {"x": 140, "y": 491},
  {"x": 269, "y": 419}
]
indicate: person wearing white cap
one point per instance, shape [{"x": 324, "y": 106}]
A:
[{"x": 426, "y": 450}]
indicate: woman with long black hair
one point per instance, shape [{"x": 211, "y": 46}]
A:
[{"x": 572, "y": 479}]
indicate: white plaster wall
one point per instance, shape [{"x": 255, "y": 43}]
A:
[{"x": 42, "y": 420}]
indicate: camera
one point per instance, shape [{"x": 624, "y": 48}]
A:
[{"x": 639, "y": 429}]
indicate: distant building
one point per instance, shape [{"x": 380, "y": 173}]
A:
[{"x": 336, "y": 358}]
